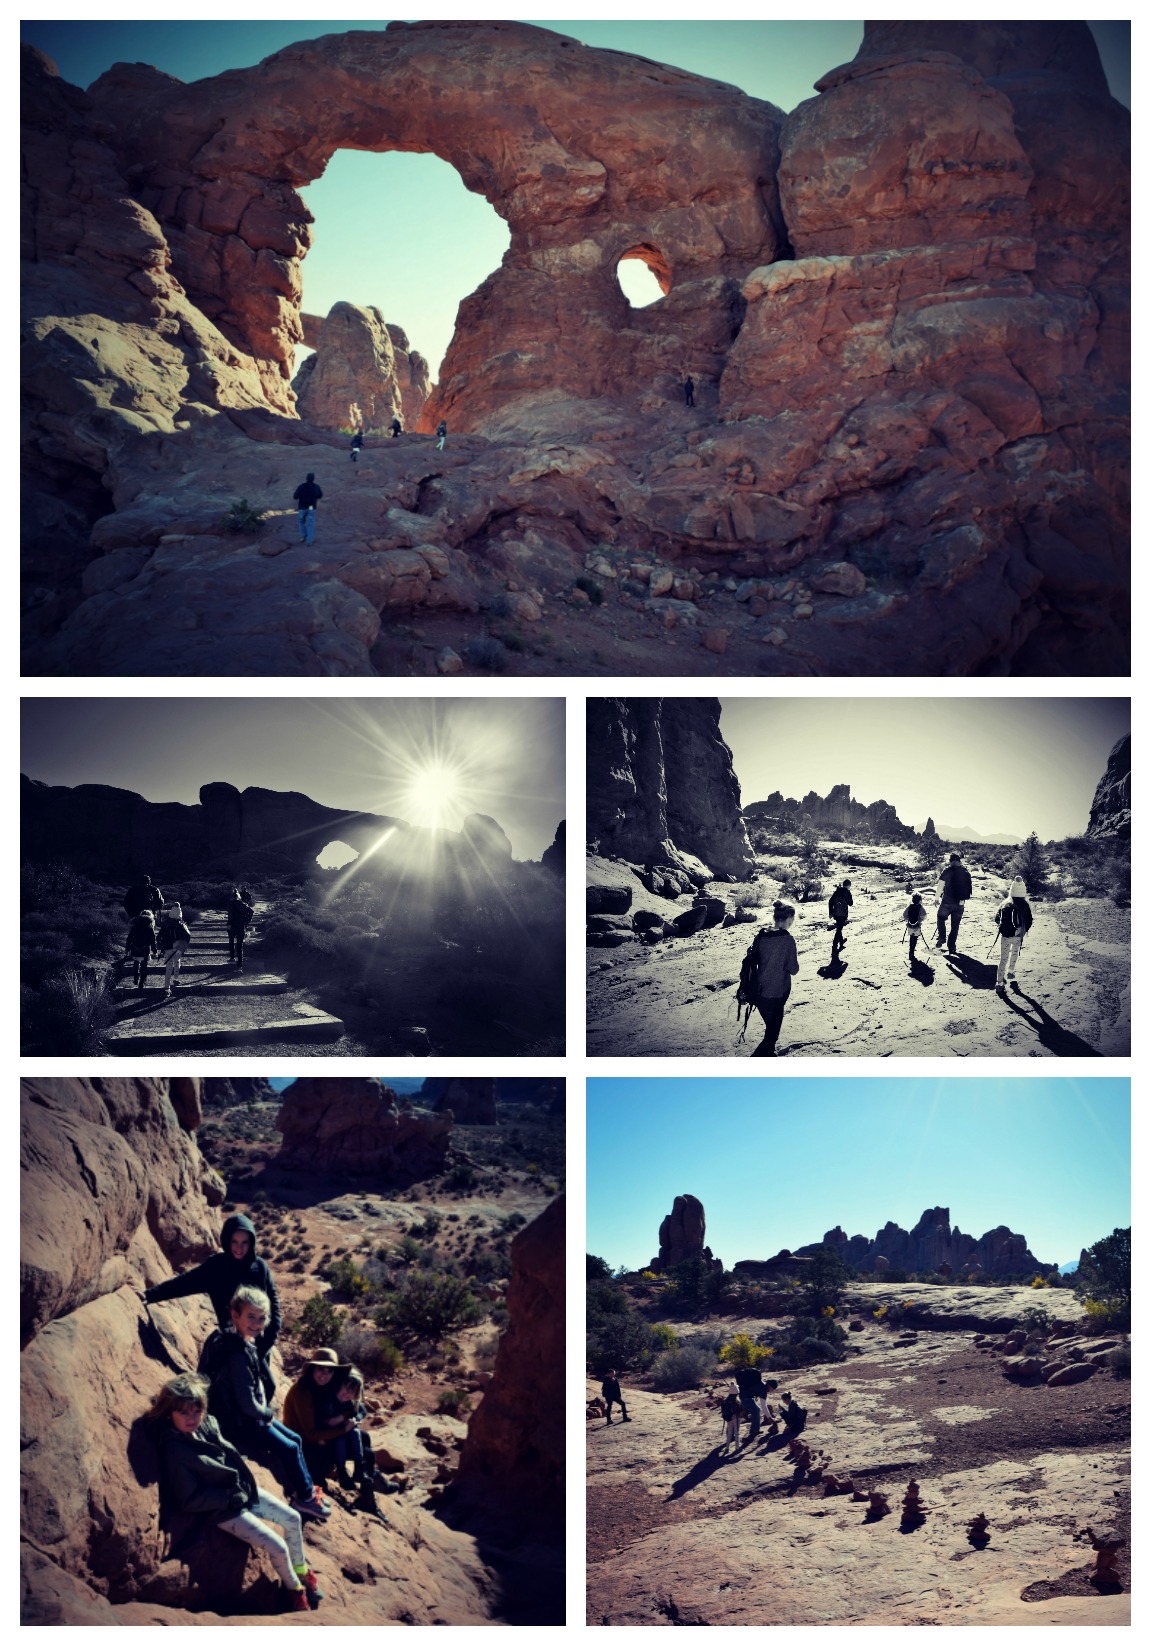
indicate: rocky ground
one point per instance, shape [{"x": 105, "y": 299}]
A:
[
  {"x": 680, "y": 1534},
  {"x": 1072, "y": 997}
]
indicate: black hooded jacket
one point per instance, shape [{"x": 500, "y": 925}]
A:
[
  {"x": 204, "y": 1474},
  {"x": 221, "y": 1275}
]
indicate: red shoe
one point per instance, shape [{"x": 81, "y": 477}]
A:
[
  {"x": 312, "y": 1587},
  {"x": 297, "y": 1601}
]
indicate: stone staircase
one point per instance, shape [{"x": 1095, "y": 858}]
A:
[{"x": 213, "y": 1005}]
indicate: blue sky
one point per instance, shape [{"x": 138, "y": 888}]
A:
[
  {"x": 400, "y": 231},
  {"x": 778, "y": 1162}
]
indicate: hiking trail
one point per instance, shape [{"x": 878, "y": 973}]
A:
[{"x": 214, "y": 1005}]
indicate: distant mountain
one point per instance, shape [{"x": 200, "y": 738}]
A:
[
  {"x": 1069, "y": 1268},
  {"x": 960, "y": 831}
]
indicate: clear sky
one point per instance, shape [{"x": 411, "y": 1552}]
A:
[
  {"x": 778, "y": 1162},
  {"x": 425, "y": 761},
  {"x": 997, "y": 765},
  {"x": 400, "y": 231}
]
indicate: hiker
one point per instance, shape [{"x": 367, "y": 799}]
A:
[
  {"x": 221, "y": 1276},
  {"x": 201, "y": 1473},
  {"x": 353, "y": 1448},
  {"x": 766, "y": 1413},
  {"x": 729, "y": 1411},
  {"x": 956, "y": 883},
  {"x": 238, "y": 914},
  {"x": 397, "y": 426},
  {"x": 143, "y": 896},
  {"x": 749, "y": 1382},
  {"x": 306, "y": 496},
  {"x": 913, "y": 917},
  {"x": 1013, "y": 921},
  {"x": 689, "y": 391},
  {"x": 174, "y": 939},
  {"x": 838, "y": 905},
  {"x": 765, "y": 978},
  {"x": 308, "y": 1404},
  {"x": 794, "y": 1416},
  {"x": 237, "y": 1402},
  {"x": 140, "y": 945},
  {"x": 610, "y": 1391},
  {"x": 357, "y": 445},
  {"x": 441, "y": 434}
]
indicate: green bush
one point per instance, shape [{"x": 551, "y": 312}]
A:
[
  {"x": 1103, "y": 1279},
  {"x": 345, "y": 1278},
  {"x": 1036, "y": 1319},
  {"x": 664, "y": 1337},
  {"x": 430, "y": 1305},
  {"x": 743, "y": 1351},
  {"x": 242, "y": 517},
  {"x": 370, "y": 1350},
  {"x": 319, "y": 1324},
  {"x": 485, "y": 652},
  {"x": 683, "y": 1368},
  {"x": 454, "y": 1402}
]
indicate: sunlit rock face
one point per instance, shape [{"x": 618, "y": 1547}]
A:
[
  {"x": 904, "y": 307},
  {"x": 1111, "y": 807},
  {"x": 932, "y": 1242},
  {"x": 363, "y": 373}
]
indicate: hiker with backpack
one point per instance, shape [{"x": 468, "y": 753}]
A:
[
  {"x": 729, "y": 1411},
  {"x": 237, "y": 1400},
  {"x": 140, "y": 947},
  {"x": 173, "y": 940},
  {"x": 1013, "y": 921},
  {"x": 610, "y": 1390},
  {"x": 749, "y": 1382},
  {"x": 238, "y": 914},
  {"x": 143, "y": 895},
  {"x": 203, "y": 1474},
  {"x": 765, "y": 977},
  {"x": 838, "y": 907},
  {"x": 913, "y": 917},
  {"x": 220, "y": 1277},
  {"x": 956, "y": 883}
]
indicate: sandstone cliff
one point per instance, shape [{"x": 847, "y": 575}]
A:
[
  {"x": 837, "y": 810},
  {"x": 934, "y": 1241},
  {"x": 358, "y": 1128},
  {"x": 361, "y": 374},
  {"x": 660, "y": 784},
  {"x": 905, "y": 305},
  {"x": 1111, "y": 807}
]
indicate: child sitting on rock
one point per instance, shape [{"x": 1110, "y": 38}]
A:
[
  {"x": 325, "y": 1408},
  {"x": 353, "y": 1448},
  {"x": 203, "y": 1474},
  {"x": 244, "y": 1416}
]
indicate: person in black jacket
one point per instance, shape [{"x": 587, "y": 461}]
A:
[
  {"x": 238, "y": 915},
  {"x": 729, "y": 1411},
  {"x": 793, "y": 1414},
  {"x": 306, "y": 498},
  {"x": 610, "y": 1390},
  {"x": 237, "y": 1402},
  {"x": 201, "y": 1473},
  {"x": 1013, "y": 921},
  {"x": 357, "y": 445},
  {"x": 838, "y": 906},
  {"x": 143, "y": 895},
  {"x": 956, "y": 884},
  {"x": 221, "y": 1276},
  {"x": 140, "y": 945},
  {"x": 749, "y": 1382}
]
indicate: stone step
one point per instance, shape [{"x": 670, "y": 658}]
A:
[{"x": 139, "y": 1035}]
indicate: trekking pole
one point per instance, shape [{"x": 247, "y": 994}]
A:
[{"x": 987, "y": 956}]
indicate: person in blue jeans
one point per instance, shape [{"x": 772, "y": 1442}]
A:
[
  {"x": 306, "y": 496},
  {"x": 244, "y": 1417}
]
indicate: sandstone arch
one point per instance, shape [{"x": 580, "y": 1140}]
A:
[{"x": 557, "y": 149}]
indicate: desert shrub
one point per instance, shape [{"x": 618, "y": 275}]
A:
[
  {"x": 486, "y": 652},
  {"x": 70, "y": 1013},
  {"x": 743, "y": 1351},
  {"x": 1035, "y": 1319},
  {"x": 511, "y": 640},
  {"x": 1108, "y": 1314},
  {"x": 746, "y": 897},
  {"x": 346, "y": 1278},
  {"x": 430, "y": 1305},
  {"x": 1103, "y": 1279},
  {"x": 430, "y": 1226},
  {"x": 616, "y": 1335},
  {"x": 1119, "y": 1361},
  {"x": 454, "y": 1402},
  {"x": 696, "y": 1285},
  {"x": 370, "y": 1350},
  {"x": 683, "y": 1368},
  {"x": 242, "y": 517},
  {"x": 1037, "y": 1283},
  {"x": 319, "y": 1324},
  {"x": 648, "y": 1275},
  {"x": 809, "y": 1341},
  {"x": 461, "y": 1178},
  {"x": 663, "y": 1337},
  {"x": 824, "y": 1279}
]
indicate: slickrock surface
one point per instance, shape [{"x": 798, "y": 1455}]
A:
[{"x": 679, "y": 1535}]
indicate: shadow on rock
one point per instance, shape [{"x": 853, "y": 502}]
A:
[
  {"x": 834, "y": 968},
  {"x": 697, "y": 1474},
  {"x": 976, "y": 973},
  {"x": 1062, "y": 1042}
]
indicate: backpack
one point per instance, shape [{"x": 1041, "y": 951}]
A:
[
  {"x": 239, "y": 914},
  {"x": 211, "y": 1355},
  {"x": 748, "y": 989},
  {"x": 837, "y": 904},
  {"x": 1009, "y": 920},
  {"x": 958, "y": 883},
  {"x": 172, "y": 931}
]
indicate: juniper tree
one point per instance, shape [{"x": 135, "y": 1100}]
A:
[{"x": 1032, "y": 863}]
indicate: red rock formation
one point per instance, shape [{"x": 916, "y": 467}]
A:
[
  {"x": 513, "y": 1456},
  {"x": 1111, "y": 806},
  {"x": 933, "y": 1241},
  {"x": 922, "y": 410},
  {"x": 356, "y": 1128},
  {"x": 661, "y": 787},
  {"x": 681, "y": 1235},
  {"x": 350, "y": 381},
  {"x": 472, "y": 1102},
  {"x": 836, "y": 810}
]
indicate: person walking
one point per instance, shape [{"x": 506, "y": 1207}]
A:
[
  {"x": 397, "y": 427},
  {"x": 173, "y": 940},
  {"x": 1013, "y": 921},
  {"x": 838, "y": 907},
  {"x": 441, "y": 434},
  {"x": 140, "y": 945},
  {"x": 357, "y": 445},
  {"x": 143, "y": 895},
  {"x": 306, "y": 497},
  {"x": 913, "y": 917},
  {"x": 610, "y": 1390},
  {"x": 729, "y": 1411},
  {"x": 956, "y": 883},
  {"x": 749, "y": 1382},
  {"x": 765, "y": 978},
  {"x": 689, "y": 391},
  {"x": 238, "y": 915}
]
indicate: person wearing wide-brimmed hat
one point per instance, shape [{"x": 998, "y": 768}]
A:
[{"x": 303, "y": 1409}]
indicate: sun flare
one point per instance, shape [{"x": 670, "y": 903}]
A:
[{"x": 433, "y": 795}]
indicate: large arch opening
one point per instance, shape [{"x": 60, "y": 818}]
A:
[
  {"x": 644, "y": 275},
  {"x": 337, "y": 854},
  {"x": 399, "y": 232}
]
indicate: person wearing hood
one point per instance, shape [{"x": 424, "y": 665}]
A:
[
  {"x": 1013, "y": 921},
  {"x": 140, "y": 946},
  {"x": 221, "y": 1276},
  {"x": 173, "y": 940}
]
